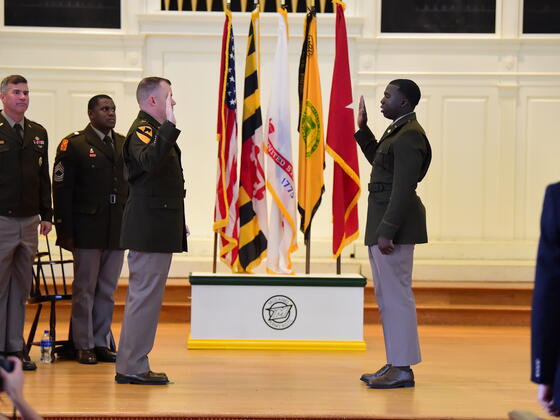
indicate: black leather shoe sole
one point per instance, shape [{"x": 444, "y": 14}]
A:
[
  {"x": 406, "y": 384},
  {"x": 135, "y": 380}
]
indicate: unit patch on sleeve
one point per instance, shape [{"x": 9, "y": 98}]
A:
[
  {"x": 144, "y": 133},
  {"x": 58, "y": 172},
  {"x": 64, "y": 145}
]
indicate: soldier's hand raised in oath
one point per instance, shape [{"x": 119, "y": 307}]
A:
[{"x": 362, "y": 114}]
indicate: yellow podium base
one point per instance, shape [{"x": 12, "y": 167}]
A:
[{"x": 206, "y": 344}]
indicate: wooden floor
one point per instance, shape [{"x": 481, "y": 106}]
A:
[{"x": 467, "y": 373}]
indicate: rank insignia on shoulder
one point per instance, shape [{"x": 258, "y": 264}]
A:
[
  {"x": 144, "y": 133},
  {"x": 64, "y": 145},
  {"x": 92, "y": 152},
  {"x": 58, "y": 172}
]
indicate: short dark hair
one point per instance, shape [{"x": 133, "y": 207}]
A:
[
  {"x": 409, "y": 89},
  {"x": 147, "y": 85},
  {"x": 92, "y": 103},
  {"x": 13, "y": 79}
]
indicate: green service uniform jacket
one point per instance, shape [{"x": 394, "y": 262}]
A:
[
  {"x": 89, "y": 190},
  {"x": 25, "y": 185},
  {"x": 400, "y": 160},
  {"x": 154, "y": 216}
]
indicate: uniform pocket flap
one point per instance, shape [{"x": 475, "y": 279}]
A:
[{"x": 165, "y": 202}]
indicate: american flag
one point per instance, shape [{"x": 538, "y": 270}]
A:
[{"x": 226, "y": 210}]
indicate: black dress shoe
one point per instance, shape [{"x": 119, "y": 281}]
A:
[
  {"x": 105, "y": 355},
  {"x": 367, "y": 376},
  {"x": 394, "y": 377},
  {"x": 86, "y": 357},
  {"x": 146, "y": 378},
  {"x": 26, "y": 363}
]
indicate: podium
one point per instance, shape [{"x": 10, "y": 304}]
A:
[{"x": 273, "y": 312}]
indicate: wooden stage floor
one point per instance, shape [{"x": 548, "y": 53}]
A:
[{"x": 467, "y": 373}]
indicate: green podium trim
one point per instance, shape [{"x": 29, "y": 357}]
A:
[{"x": 315, "y": 280}]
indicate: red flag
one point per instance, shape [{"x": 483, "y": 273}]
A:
[
  {"x": 341, "y": 144},
  {"x": 226, "y": 210}
]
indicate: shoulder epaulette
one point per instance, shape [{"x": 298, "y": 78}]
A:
[
  {"x": 64, "y": 143},
  {"x": 32, "y": 123}
]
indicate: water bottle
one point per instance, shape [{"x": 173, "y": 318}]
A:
[{"x": 46, "y": 347}]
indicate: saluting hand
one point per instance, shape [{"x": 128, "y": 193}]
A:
[
  {"x": 362, "y": 114},
  {"x": 169, "y": 102}
]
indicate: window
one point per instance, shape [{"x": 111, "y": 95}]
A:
[
  {"x": 439, "y": 16},
  {"x": 63, "y": 13}
]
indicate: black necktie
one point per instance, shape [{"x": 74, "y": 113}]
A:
[
  {"x": 108, "y": 141},
  {"x": 19, "y": 132}
]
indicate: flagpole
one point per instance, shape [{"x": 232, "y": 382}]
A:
[
  {"x": 338, "y": 271},
  {"x": 215, "y": 259},
  {"x": 307, "y": 240}
]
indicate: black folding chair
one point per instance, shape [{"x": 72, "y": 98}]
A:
[{"x": 48, "y": 287}]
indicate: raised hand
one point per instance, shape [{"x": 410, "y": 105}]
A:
[{"x": 362, "y": 114}]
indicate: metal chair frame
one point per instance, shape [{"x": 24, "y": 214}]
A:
[{"x": 42, "y": 292}]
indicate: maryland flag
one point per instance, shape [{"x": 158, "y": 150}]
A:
[
  {"x": 311, "y": 144},
  {"x": 341, "y": 144},
  {"x": 226, "y": 210},
  {"x": 252, "y": 183},
  {"x": 280, "y": 169}
]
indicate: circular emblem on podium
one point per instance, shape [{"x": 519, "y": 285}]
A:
[{"x": 279, "y": 312}]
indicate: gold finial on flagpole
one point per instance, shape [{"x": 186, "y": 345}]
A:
[
  {"x": 323, "y": 5},
  {"x": 208, "y": 5},
  {"x": 243, "y": 5},
  {"x": 294, "y": 6},
  {"x": 180, "y": 5},
  {"x": 194, "y": 4},
  {"x": 166, "y": 4}
]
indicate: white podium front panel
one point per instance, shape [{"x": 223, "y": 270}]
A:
[{"x": 240, "y": 311}]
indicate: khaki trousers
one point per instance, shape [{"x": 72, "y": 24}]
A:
[
  {"x": 392, "y": 276},
  {"x": 18, "y": 246},
  {"x": 146, "y": 284},
  {"x": 96, "y": 274}
]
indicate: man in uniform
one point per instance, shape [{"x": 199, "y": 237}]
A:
[
  {"x": 396, "y": 221},
  {"x": 545, "y": 318},
  {"x": 25, "y": 203},
  {"x": 153, "y": 225},
  {"x": 89, "y": 194}
]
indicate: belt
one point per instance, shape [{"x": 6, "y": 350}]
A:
[{"x": 380, "y": 186}]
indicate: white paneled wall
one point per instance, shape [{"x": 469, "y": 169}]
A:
[{"x": 490, "y": 104}]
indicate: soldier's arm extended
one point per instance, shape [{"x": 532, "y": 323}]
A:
[{"x": 367, "y": 142}]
